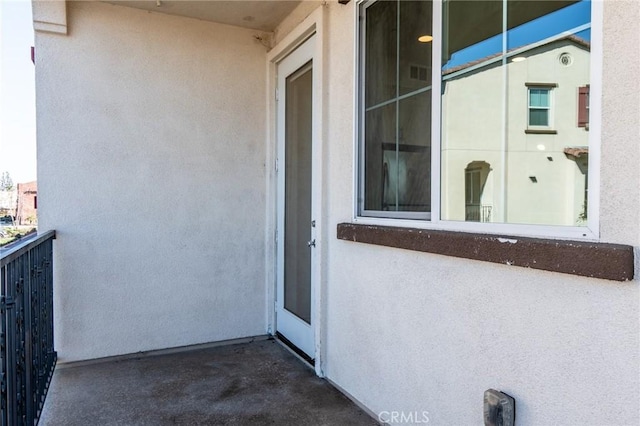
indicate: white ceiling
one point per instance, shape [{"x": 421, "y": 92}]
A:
[{"x": 262, "y": 15}]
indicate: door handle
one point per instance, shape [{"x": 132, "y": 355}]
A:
[{"x": 311, "y": 243}]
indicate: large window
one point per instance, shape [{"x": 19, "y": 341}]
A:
[
  {"x": 511, "y": 111},
  {"x": 396, "y": 108}
]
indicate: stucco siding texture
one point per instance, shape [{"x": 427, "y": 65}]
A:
[
  {"x": 151, "y": 159},
  {"x": 413, "y": 332},
  {"x": 620, "y": 173}
]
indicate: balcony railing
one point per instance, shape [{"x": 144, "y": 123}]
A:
[
  {"x": 477, "y": 213},
  {"x": 27, "y": 356}
]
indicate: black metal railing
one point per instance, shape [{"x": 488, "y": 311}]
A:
[
  {"x": 27, "y": 356},
  {"x": 477, "y": 213}
]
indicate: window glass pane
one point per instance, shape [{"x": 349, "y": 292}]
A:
[
  {"x": 538, "y": 117},
  {"x": 527, "y": 176},
  {"x": 533, "y": 21},
  {"x": 539, "y": 98},
  {"x": 380, "y": 133},
  {"x": 381, "y": 52},
  {"x": 472, "y": 30},
  {"x": 546, "y": 174},
  {"x": 416, "y": 41},
  {"x": 413, "y": 162},
  {"x": 396, "y": 140},
  {"x": 472, "y": 108}
]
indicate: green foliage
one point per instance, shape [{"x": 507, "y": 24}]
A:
[
  {"x": 14, "y": 233},
  {"x": 582, "y": 217}
]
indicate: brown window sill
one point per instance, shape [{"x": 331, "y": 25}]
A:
[
  {"x": 598, "y": 260},
  {"x": 540, "y": 132},
  {"x": 544, "y": 85}
]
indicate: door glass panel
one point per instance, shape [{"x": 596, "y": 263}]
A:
[{"x": 297, "y": 220}]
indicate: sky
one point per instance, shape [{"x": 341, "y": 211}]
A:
[
  {"x": 562, "y": 20},
  {"x": 17, "y": 92}
]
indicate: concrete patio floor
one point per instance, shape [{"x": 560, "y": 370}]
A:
[{"x": 242, "y": 384}]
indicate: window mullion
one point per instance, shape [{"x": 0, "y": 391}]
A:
[
  {"x": 361, "y": 109},
  {"x": 397, "y": 104},
  {"x": 505, "y": 119},
  {"x": 436, "y": 107}
]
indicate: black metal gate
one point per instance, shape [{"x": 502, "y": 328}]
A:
[{"x": 27, "y": 356}]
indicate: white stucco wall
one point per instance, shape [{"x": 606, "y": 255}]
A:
[
  {"x": 295, "y": 18},
  {"x": 620, "y": 173},
  {"x": 413, "y": 332},
  {"x": 50, "y": 16},
  {"x": 151, "y": 169}
]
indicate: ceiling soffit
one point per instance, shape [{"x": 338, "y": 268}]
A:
[{"x": 264, "y": 15}]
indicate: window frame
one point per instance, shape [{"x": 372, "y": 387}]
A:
[
  {"x": 361, "y": 109},
  {"x": 434, "y": 222}
]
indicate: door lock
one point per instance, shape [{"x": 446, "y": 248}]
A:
[{"x": 311, "y": 243}]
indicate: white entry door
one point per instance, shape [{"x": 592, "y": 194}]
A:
[{"x": 296, "y": 220}]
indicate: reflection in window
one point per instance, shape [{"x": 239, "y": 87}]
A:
[
  {"x": 539, "y": 105},
  {"x": 583, "y": 107},
  {"x": 396, "y": 51},
  {"x": 492, "y": 51},
  {"x": 477, "y": 207}
]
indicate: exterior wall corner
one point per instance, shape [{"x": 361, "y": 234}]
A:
[{"x": 50, "y": 16}]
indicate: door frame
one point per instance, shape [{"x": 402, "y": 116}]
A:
[
  {"x": 312, "y": 25},
  {"x": 296, "y": 330}
]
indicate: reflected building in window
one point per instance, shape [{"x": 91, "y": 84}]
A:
[{"x": 515, "y": 112}]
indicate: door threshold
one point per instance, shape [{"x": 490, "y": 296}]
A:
[{"x": 296, "y": 350}]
